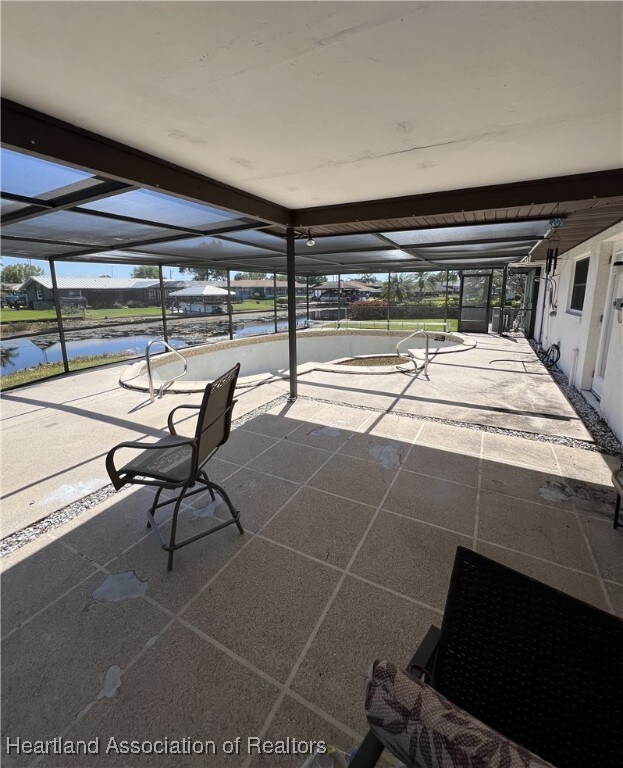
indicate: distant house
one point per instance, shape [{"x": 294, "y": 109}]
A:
[
  {"x": 351, "y": 290},
  {"x": 263, "y": 289},
  {"x": 102, "y": 292}
]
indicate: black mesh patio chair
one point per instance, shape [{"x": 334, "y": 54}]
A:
[
  {"x": 541, "y": 668},
  {"x": 180, "y": 462}
]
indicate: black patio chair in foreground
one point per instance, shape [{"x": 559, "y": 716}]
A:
[
  {"x": 180, "y": 462},
  {"x": 537, "y": 666}
]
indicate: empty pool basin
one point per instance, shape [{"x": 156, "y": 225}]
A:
[{"x": 262, "y": 358}]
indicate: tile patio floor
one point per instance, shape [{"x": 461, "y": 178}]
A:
[{"x": 352, "y": 516}]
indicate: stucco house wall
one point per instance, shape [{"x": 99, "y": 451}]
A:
[{"x": 581, "y": 334}]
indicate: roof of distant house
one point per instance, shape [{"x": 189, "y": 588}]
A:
[
  {"x": 100, "y": 283},
  {"x": 201, "y": 289},
  {"x": 255, "y": 283},
  {"x": 346, "y": 285}
]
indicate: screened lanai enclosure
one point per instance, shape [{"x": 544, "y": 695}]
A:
[{"x": 238, "y": 274}]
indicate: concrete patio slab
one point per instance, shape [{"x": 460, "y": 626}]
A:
[
  {"x": 264, "y": 605},
  {"x": 431, "y": 500},
  {"x": 606, "y": 545},
  {"x": 291, "y": 461},
  {"x": 409, "y": 557},
  {"x": 523, "y": 483},
  {"x": 355, "y": 479},
  {"x": 553, "y": 534},
  {"x": 193, "y": 566},
  {"x": 34, "y": 576},
  {"x": 432, "y": 461},
  {"x": 320, "y": 436},
  {"x": 294, "y": 720},
  {"x": 105, "y": 531},
  {"x": 257, "y": 495},
  {"x": 451, "y": 439},
  {"x": 364, "y": 623},
  {"x": 518, "y": 451},
  {"x": 390, "y": 454},
  {"x": 273, "y": 631},
  {"x": 191, "y": 698},
  {"x": 55, "y": 665},
  {"x": 392, "y": 425},
  {"x": 321, "y": 525},
  {"x": 243, "y": 446}
]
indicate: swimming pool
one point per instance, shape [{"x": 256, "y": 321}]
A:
[{"x": 265, "y": 357}]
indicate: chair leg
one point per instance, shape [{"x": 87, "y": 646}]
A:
[
  {"x": 206, "y": 479},
  {"x": 154, "y": 505},
  {"x": 171, "y": 547},
  {"x": 234, "y": 512},
  {"x": 617, "y": 511}
]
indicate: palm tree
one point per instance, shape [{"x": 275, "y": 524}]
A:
[
  {"x": 426, "y": 282},
  {"x": 400, "y": 289},
  {"x": 367, "y": 277}
]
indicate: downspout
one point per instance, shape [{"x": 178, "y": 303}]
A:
[
  {"x": 57, "y": 304},
  {"x": 290, "y": 266},
  {"x": 574, "y": 364},
  {"x": 544, "y": 280}
]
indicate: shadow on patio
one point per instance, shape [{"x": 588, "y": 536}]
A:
[{"x": 352, "y": 519}]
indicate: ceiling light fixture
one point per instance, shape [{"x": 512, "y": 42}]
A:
[{"x": 310, "y": 240}]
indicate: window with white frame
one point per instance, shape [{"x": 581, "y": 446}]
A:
[{"x": 578, "y": 289}]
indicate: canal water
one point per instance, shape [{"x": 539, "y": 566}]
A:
[{"x": 18, "y": 354}]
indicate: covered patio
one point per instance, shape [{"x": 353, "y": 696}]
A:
[
  {"x": 353, "y": 502},
  {"x": 354, "y": 489}
]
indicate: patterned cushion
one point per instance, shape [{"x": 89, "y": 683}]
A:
[{"x": 424, "y": 730}]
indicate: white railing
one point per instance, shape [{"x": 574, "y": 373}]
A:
[{"x": 165, "y": 384}]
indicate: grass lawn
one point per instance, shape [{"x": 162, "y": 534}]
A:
[
  {"x": 33, "y": 315},
  {"x": 43, "y": 371},
  {"x": 250, "y": 304},
  {"x": 394, "y": 325}
]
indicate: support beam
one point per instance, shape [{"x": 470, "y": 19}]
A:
[
  {"x": 291, "y": 268},
  {"x": 229, "y": 309},
  {"x": 275, "y": 300},
  {"x": 37, "y": 133},
  {"x": 579, "y": 186},
  {"x": 502, "y": 301},
  {"x": 339, "y": 298},
  {"x": 307, "y": 298},
  {"x": 389, "y": 296},
  {"x": 445, "y": 313},
  {"x": 163, "y": 304},
  {"x": 59, "y": 317}
]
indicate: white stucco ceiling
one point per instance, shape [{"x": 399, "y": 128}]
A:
[{"x": 308, "y": 104}]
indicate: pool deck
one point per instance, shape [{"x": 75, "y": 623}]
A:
[{"x": 353, "y": 499}]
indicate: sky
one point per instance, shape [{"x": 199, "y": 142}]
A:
[{"x": 70, "y": 269}]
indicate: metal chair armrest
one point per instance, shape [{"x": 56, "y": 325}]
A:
[
  {"x": 188, "y": 406},
  {"x": 368, "y": 753},
  {"x": 424, "y": 657},
  {"x": 117, "y": 479}
]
